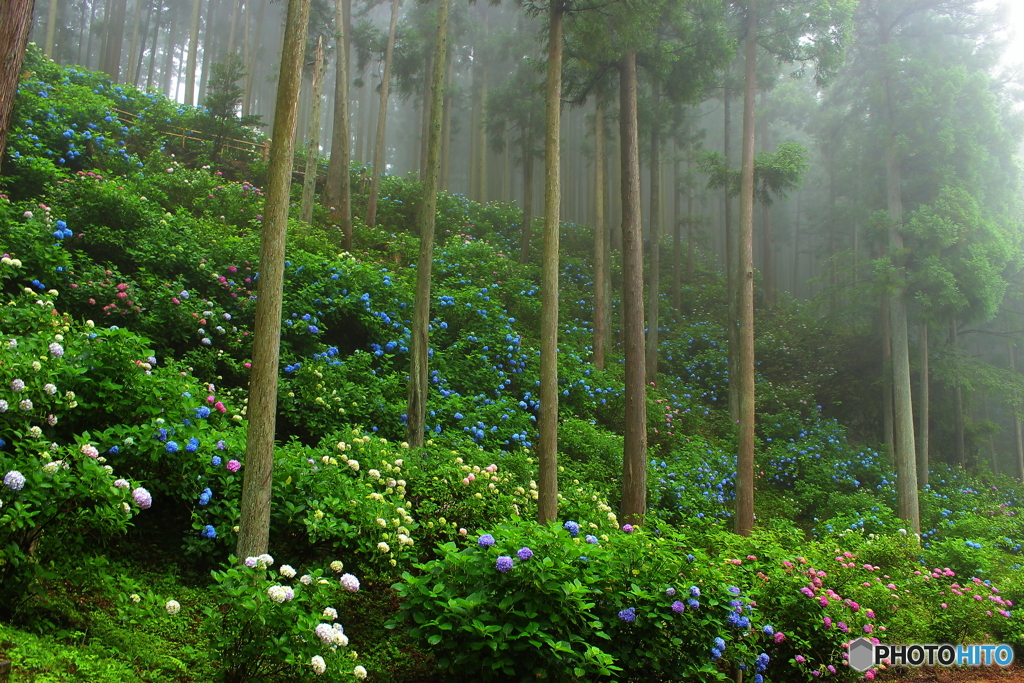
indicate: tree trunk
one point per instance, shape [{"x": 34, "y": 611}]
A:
[
  {"x": 133, "y": 49},
  {"x": 527, "y": 236},
  {"x": 92, "y": 29},
  {"x": 425, "y": 115},
  {"x": 253, "y": 47},
  {"x": 379, "y": 164},
  {"x": 690, "y": 237},
  {"x": 210, "y": 39},
  {"x": 417, "y": 404},
  {"x": 339, "y": 183},
  {"x": 905, "y": 455},
  {"x": 730, "y": 269},
  {"x": 634, "y": 456},
  {"x": 51, "y": 25},
  {"x": 547, "y": 448},
  {"x": 193, "y": 54},
  {"x": 677, "y": 238},
  {"x": 959, "y": 451},
  {"x": 313, "y": 136},
  {"x": 745, "y": 285},
  {"x": 233, "y": 27},
  {"x": 654, "y": 273},
  {"x": 887, "y": 426},
  {"x": 254, "y": 524},
  {"x": 15, "y": 23},
  {"x": 481, "y": 133},
  {"x": 600, "y": 242},
  {"x": 153, "y": 50},
  {"x": 114, "y": 31},
  {"x": 446, "y": 125},
  {"x": 136, "y": 64},
  {"x": 924, "y": 407},
  {"x": 1018, "y": 433}
]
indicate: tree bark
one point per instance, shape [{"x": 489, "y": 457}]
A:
[
  {"x": 193, "y": 54},
  {"x": 446, "y": 125},
  {"x": 600, "y": 242},
  {"x": 210, "y": 39},
  {"x": 254, "y": 523},
  {"x": 15, "y": 23},
  {"x": 51, "y": 25},
  {"x": 547, "y": 447},
  {"x": 313, "y": 136},
  {"x": 339, "y": 183},
  {"x": 634, "y": 456},
  {"x": 417, "y": 403},
  {"x": 379, "y": 165},
  {"x": 690, "y": 237},
  {"x": 677, "y": 238},
  {"x": 924, "y": 407},
  {"x": 888, "y": 432},
  {"x": 1018, "y": 433},
  {"x": 731, "y": 267},
  {"x": 153, "y": 50},
  {"x": 959, "y": 451},
  {"x": 114, "y": 31},
  {"x": 654, "y": 272},
  {"x": 527, "y": 236},
  {"x": 745, "y": 285},
  {"x": 253, "y": 47}
]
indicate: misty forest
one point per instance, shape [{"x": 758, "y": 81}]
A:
[{"x": 568, "y": 340}]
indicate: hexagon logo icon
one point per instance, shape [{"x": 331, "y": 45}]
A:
[{"x": 862, "y": 654}]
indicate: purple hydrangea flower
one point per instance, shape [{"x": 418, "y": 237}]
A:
[
  {"x": 693, "y": 604},
  {"x": 768, "y": 630},
  {"x": 234, "y": 465},
  {"x": 503, "y": 563},
  {"x": 14, "y": 480},
  {"x": 56, "y": 349},
  {"x": 592, "y": 539},
  {"x": 670, "y": 592},
  {"x": 524, "y": 554},
  {"x": 695, "y": 591},
  {"x": 628, "y": 615},
  {"x": 628, "y": 528},
  {"x": 142, "y": 498},
  {"x": 678, "y": 607},
  {"x": 485, "y": 541},
  {"x": 572, "y": 527}
]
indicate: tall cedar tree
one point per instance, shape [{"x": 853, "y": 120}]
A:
[
  {"x": 547, "y": 450},
  {"x": 313, "y": 134},
  {"x": 379, "y": 165},
  {"x": 339, "y": 186},
  {"x": 417, "y": 403},
  {"x": 254, "y": 524}
]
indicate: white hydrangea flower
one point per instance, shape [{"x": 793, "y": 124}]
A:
[
  {"x": 287, "y": 571},
  {"x": 351, "y": 583},
  {"x": 318, "y": 664},
  {"x": 263, "y": 561},
  {"x": 330, "y": 613},
  {"x": 305, "y": 579},
  {"x": 325, "y": 633},
  {"x": 277, "y": 593},
  {"x": 172, "y": 607},
  {"x": 337, "y": 566},
  {"x": 359, "y": 672}
]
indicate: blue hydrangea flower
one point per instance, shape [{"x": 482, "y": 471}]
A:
[
  {"x": 161, "y": 434},
  {"x": 592, "y": 539},
  {"x": 114, "y": 450},
  {"x": 572, "y": 527},
  {"x": 215, "y": 461},
  {"x": 678, "y": 607},
  {"x": 524, "y": 554},
  {"x": 503, "y": 563},
  {"x": 695, "y": 591},
  {"x": 485, "y": 541},
  {"x": 193, "y": 445},
  {"x": 202, "y": 412},
  {"x": 720, "y": 644},
  {"x": 209, "y": 532},
  {"x": 628, "y": 615},
  {"x": 205, "y": 496},
  {"x": 171, "y": 447},
  {"x": 693, "y": 604},
  {"x": 768, "y": 630},
  {"x": 715, "y": 654}
]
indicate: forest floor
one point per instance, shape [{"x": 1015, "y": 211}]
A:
[{"x": 938, "y": 674}]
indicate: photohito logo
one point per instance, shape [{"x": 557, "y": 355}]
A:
[{"x": 864, "y": 654}]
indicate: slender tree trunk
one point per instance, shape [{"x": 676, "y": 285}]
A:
[
  {"x": 600, "y": 242},
  {"x": 1018, "y": 433},
  {"x": 136, "y": 65},
  {"x": 193, "y": 54},
  {"x": 210, "y": 39},
  {"x": 15, "y": 23},
  {"x": 114, "y": 32},
  {"x": 82, "y": 18},
  {"x": 677, "y": 238},
  {"x": 313, "y": 135},
  {"x": 133, "y": 49},
  {"x": 253, "y": 48},
  {"x": 481, "y": 132},
  {"x": 153, "y": 50},
  {"x": 339, "y": 182},
  {"x": 690, "y": 237},
  {"x": 959, "y": 451},
  {"x": 172, "y": 38},
  {"x": 903, "y": 415},
  {"x": 547, "y": 450},
  {"x": 92, "y": 30},
  {"x": 527, "y": 236},
  {"x": 888, "y": 432},
  {"x": 924, "y": 407},
  {"x": 51, "y": 25},
  {"x": 745, "y": 285},
  {"x": 417, "y": 405},
  {"x": 254, "y": 524},
  {"x": 731, "y": 268},
  {"x": 634, "y": 457},
  {"x": 446, "y": 126},
  {"x": 233, "y": 28},
  {"x": 379, "y": 164},
  {"x": 425, "y": 133},
  {"x": 654, "y": 274}
]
